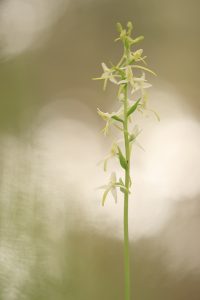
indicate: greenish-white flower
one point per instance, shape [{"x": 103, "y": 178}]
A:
[
  {"x": 110, "y": 118},
  {"x": 112, "y": 154},
  {"x": 110, "y": 187},
  {"x": 107, "y": 75},
  {"x": 137, "y": 56},
  {"x": 140, "y": 84}
]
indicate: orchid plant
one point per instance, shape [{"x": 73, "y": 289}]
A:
[{"x": 129, "y": 77}]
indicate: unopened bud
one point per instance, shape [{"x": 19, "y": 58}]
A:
[
  {"x": 119, "y": 27},
  {"x": 138, "y": 39},
  {"x": 130, "y": 27}
]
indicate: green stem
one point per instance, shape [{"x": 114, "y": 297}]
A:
[{"x": 126, "y": 196}]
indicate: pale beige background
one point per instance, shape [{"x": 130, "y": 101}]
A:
[{"x": 56, "y": 241}]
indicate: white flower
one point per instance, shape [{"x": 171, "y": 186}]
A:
[
  {"x": 113, "y": 153},
  {"x": 137, "y": 54},
  {"x": 129, "y": 76},
  {"x": 108, "y": 117},
  {"x": 110, "y": 187},
  {"x": 107, "y": 75},
  {"x": 137, "y": 83},
  {"x": 140, "y": 83}
]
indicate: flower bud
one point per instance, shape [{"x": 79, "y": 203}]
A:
[
  {"x": 119, "y": 27},
  {"x": 130, "y": 27},
  {"x": 138, "y": 39}
]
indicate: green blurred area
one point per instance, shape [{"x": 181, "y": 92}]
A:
[{"x": 81, "y": 264}]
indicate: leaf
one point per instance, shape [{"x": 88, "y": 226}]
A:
[
  {"x": 122, "y": 186},
  {"x": 123, "y": 189},
  {"x": 133, "y": 107},
  {"x": 121, "y": 181},
  {"x": 117, "y": 118},
  {"x": 122, "y": 159}
]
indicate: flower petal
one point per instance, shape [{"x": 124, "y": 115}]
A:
[
  {"x": 105, "y": 194},
  {"x": 114, "y": 193},
  {"x": 113, "y": 178}
]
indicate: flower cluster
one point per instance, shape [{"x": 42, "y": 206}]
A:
[{"x": 129, "y": 77}]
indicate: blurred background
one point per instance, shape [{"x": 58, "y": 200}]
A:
[{"x": 56, "y": 240}]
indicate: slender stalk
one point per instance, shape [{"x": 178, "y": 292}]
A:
[{"x": 126, "y": 196}]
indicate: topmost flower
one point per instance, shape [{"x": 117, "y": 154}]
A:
[{"x": 122, "y": 73}]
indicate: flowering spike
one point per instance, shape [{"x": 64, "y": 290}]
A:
[{"x": 123, "y": 76}]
